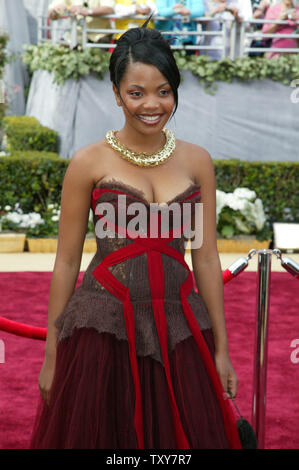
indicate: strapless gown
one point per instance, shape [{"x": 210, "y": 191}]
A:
[{"x": 135, "y": 362}]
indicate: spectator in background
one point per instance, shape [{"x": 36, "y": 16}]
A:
[
  {"x": 259, "y": 8},
  {"x": 181, "y": 12},
  {"x": 220, "y": 10},
  {"x": 244, "y": 9},
  {"x": 203, "y": 26},
  {"x": 127, "y": 8},
  {"x": 285, "y": 10},
  {"x": 92, "y": 10}
]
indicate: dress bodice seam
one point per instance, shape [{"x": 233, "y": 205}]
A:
[{"x": 139, "y": 194}]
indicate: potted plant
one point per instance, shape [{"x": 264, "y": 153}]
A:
[
  {"x": 241, "y": 221},
  {"x": 43, "y": 238},
  {"x": 13, "y": 226}
]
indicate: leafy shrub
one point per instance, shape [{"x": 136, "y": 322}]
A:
[
  {"x": 23, "y": 133},
  {"x": 65, "y": 63},
  {"x": 34, "y": 180}
]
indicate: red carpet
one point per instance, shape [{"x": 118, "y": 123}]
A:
[{"x": 24, "y": 298}]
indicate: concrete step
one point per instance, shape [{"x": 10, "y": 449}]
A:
[{"x": 26, "y": 261}]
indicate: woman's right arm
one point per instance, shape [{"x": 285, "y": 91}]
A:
[
  {"x": 219, "y": 9},
  {"x": 74, "y": 214},
  {"x": 269, "y": 28},
  {"x": 260, "y": 11},
  {"x": 56, "y": 9}
]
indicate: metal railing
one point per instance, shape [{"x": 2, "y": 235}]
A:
[
  {"x": 257, "y": 35},
  {"x": 77, "y": 32},
  {"x": 236, "y": 37}
]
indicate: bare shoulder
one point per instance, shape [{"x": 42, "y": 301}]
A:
[
  {"x": 87, "y": 161},
  {"x": 200, "y": 161},
  {"x": 85, "y": 155}
]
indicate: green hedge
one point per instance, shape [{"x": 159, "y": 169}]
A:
[
  {"x": 3, "y": 58},
  {"x": 24, "y": 133},
  {"x": 32, "y": 179},
  {"x": 35, "y": 179},
  {"x": 275, "y": 183}
]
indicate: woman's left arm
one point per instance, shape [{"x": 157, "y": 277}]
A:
[
  {"x": 205, "y": 259},
  {"x": 207, "y": 267}
]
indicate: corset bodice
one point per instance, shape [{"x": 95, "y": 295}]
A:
[{"x": 165, "y": 227}]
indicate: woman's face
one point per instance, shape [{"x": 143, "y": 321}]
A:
[{"x": 147, "y": 98}]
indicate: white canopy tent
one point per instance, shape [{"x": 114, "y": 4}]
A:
[{"x": 18, "y": 18}]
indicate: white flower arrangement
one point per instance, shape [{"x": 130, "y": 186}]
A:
[
  {"x": 33, "y": 223},
  {"x": 16, "y": 219},
  {"x": 244, "y": 213},
  {"x": 30, "y": 220}
]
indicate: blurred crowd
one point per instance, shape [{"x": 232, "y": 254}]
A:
[{"x": 180, "y": 18}]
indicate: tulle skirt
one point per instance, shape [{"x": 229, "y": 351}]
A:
[{"x": 92, "y": 397}]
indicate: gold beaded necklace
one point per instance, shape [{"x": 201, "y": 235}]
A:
[{"x": 143, "y": 158}]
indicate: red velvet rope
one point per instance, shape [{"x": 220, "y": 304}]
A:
[
  {"x": 34, "y": 332},
  {"x": 20, "y": 329}
]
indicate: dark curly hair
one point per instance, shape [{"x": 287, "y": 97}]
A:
[{"x": 149, "y": 47}]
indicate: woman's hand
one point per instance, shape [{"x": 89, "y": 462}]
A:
[
  {"x": 57, "y": 11},
  {"x": 265, "y": 4},
  {"x": 293, "y": 15},
  {"x": 283, "y": 15},
  {"x": 142, "y": 11},
  {"x": 222, "y": 7},
  {"x": 226, "y": 373},
  {"x": 76, "y": 10},
  {"x": 235, "y": 12},
  {"x": 181, "y": 10},
  {"x": 46, "y": 378}
]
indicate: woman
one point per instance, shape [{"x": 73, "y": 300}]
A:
[
  {"x": 283, "y": 11},
  {"x": 92, "y": 10},
  {"x": 126, "y": 8},
  {"x": 180, "y": 12},
  {"x": 133, "y": 358},
  {"x": 220, "y": 10},
  {"x": 259, "y": 8}
]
